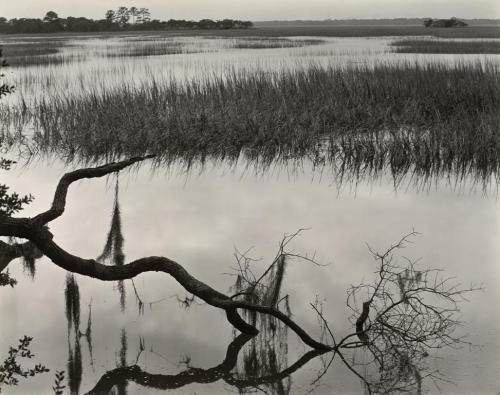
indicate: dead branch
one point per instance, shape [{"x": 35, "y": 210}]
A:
[
  {"x": 34, "y": 230},
  {"x": 406, "y": 313}
]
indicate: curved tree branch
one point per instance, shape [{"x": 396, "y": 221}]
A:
[
  {"x": 36, "y": 231},
  {"x": 59, "y": 202}
]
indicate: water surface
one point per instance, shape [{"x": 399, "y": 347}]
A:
[{"x": 198, "y": 220}]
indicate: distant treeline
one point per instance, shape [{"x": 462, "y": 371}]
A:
[
  {"x": 122, "y": 19},
  {"x": 452, "y": 22},
  {"x": 370, "y": 22}
]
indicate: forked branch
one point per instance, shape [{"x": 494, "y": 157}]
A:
[{"x": 36, "y": 231}]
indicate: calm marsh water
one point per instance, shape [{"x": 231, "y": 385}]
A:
[
  {"x": 198, "y": 218},
  {"x": 96, "y": 63}
]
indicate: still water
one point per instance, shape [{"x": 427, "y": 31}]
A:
[
  {"x": 199, "y": 219},
  {"x": 90, "y": 65}
]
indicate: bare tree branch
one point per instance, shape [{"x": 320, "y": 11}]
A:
[
  {"x": 407, "y": 312},
  {"x": 35, "y": 231},
  {"x": 59, "y": 202}
]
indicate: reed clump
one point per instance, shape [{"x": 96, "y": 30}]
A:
[
  {"x": 446, "y": 46},
  {"x": 424, "y": 119},
  {"x": 32, "y": 53},
  {"x": 263, "y": 43},
  {"x": 143, "y": 49}
]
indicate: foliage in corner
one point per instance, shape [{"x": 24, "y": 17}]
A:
[
  {"x": 6, "y": 279},
  {"x": 11, "y": 370},
  {"x": 58, "y": 383}
]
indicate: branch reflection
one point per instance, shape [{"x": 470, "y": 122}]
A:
[{"x": 223, "y": 371}]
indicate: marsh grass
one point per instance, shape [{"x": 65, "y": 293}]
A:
[
  {"x": 270, "y": 30},
  {"x": 263, "y": 43},
  {"x": 427, "y": 120},
  {"x": 48, "y": 60},
  {"x": 33, "y": 53},
  {"x": 446, "y": 47},
  {"x": 11, "y": 50},
  {"x": 368, "y": 31},
  {"x": 139, "y": 49},
  {"x": 156, "y": 46}
]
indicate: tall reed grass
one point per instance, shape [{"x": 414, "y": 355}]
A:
[{"x": 425, "y": 119}]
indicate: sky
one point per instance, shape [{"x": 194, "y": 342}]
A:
[{"x": 256, "y": 10}]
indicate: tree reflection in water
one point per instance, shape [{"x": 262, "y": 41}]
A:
[
  {"x": 72, "y": 296},
  {"x": 223, "y": 371},
  {"x": 113, "y": 249},
  {"x": 397, "y": 321},
  {"x": 121, "y": 387},
  {"x": 74, "y": 366},
  {"x": 386, "y": 355},
  {"x": 388, "y": 351},
  {"x": 267, "y": 353}
]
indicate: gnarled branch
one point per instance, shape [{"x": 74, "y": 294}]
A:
[
  {"x": 36, "y": 231},
  {"x": 59, "y": 202}
]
